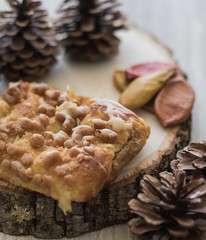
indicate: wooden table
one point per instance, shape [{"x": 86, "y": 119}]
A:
[{"x": 181, "y": 25}]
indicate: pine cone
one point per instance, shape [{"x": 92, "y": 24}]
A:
[
  {"x": 87, "y": 28},
  {"x": 28, "y": 44},
  {"x": 169, "y": 208},
  {"x": 192, "y": 159}
]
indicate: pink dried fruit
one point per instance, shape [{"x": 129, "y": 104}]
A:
[{"x": 138, "y": 70}]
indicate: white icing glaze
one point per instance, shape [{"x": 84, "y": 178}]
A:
[
  {"x": 63, "y": 95},
  {"x": 82, "y": 126},
  {"x": 28, "y": 104},
  {"x": 117, "y": 123},
  {"x": 88, "y": 138},
  {"x": 60, "y": 134},
  {"x": 107, "y": 132},
  {"x": 34, "y": 121},
  {"x": 49, "y": 134},
  {"x": 99, "y": 121},
  {"x": 85, "y": 143},
  {"x": 51, "y": 152},
  {"x": 69, "y": 143},
  {"x": 71, "y": 110},
  {"x": 50, "y": 93},
  {"x": 68, "y": 118},
  {"x": 76, "y": 111},
  {"x": 58, "y": 138},
  {"x": 89, "y": 149},
  {"x": 79, "y": 131},
  {"x": 77, "y": 149},
  {"x": 70, "y": 94}
]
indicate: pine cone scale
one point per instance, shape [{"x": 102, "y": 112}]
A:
[
  {"x": 185, "y": 221},
  {"x": 29, "y": 35},
  {"x": 139, "y": 208},
  {"x": 22, "y": 22},
  {"x": 201, "y": 146},
  {"x": 199, "y": 209},
  {"x": 39, "y": 24},
  {"x": 102, "y": 47},
  {"x": 178, "y": 232},
  {"x": 5, "y": 42},
  {"x": 167, "y": 178},
  {"x": 103, "y": 7},
  {"x": 199, "y": 191},
  {"x": 139, "y": 227},
  {"x": 148, "y": 198},
  {"x": 76, "y": 33},
  {"x": 96, "y": 36},
  {"x": 39, "y": 44},
  {"x": 48, "y": 51},
  {"x": 18, "y": 65},
  {"x": 199, "y": 164},
  {"x": 12, "y": 31},
  {"x": 196, "y": 153},
  {"x": 31, "y": 70},
  {"x": 184, "y": 165},
  {"x": 2, "y": 33},
  {"x": 88, "y": 24},
  {"x": 150, "y": 186},
  {"x": 34, "y": 4},
  {"x": 191, "y": 188},
  {"x": 166, "y": 190},
  {"x": 9, "y": 57},
  {"x": 17, "y": 44},
  {"x": 32, "y": 62},
  {"x": 26, "y": 53},
  {"x": 201, "y": 224}
]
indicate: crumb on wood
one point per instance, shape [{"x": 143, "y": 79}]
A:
[{"x": 22, "y": 214}]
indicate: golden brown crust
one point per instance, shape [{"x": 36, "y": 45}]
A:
[
  {"x": 126, "y": 154},
  {"x": 62, "y": 145},
  {"x": 10, "y": 188}
]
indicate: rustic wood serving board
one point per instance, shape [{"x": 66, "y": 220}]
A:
[{"x": 110, "y": 206}]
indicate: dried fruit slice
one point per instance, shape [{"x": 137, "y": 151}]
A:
[
  {"x": 143, "y": 89},
  {"x": 120, "y": 80},
  {"x": 174, "y": 103},
  {"x": 138, "y": 70}
]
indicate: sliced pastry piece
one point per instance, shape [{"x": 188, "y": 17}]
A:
[{"x": 65, "y": 146}]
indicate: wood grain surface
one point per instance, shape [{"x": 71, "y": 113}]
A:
[{"x": 181, "y": 25}]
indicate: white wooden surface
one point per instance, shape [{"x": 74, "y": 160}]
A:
[{"x": 181, "y": 25}]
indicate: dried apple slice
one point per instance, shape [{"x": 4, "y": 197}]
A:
[
  {"x": 139, "y": 70},
  {"x": 174, "y": 103},
  {"x": 143, "y": 89},
  {"x": 120, "y": 80}
]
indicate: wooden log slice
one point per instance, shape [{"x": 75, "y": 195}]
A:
[{"x": 24, "y": 212}]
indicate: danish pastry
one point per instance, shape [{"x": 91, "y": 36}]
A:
[{"x": 65, "y": 146}]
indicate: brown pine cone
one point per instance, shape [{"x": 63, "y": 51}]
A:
[
  {"x": 169, "y": 208},
  {"x": 28, "y": 44},
  {"x": 192, "y": 159},
  {"x": 87, "y": 28}
]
